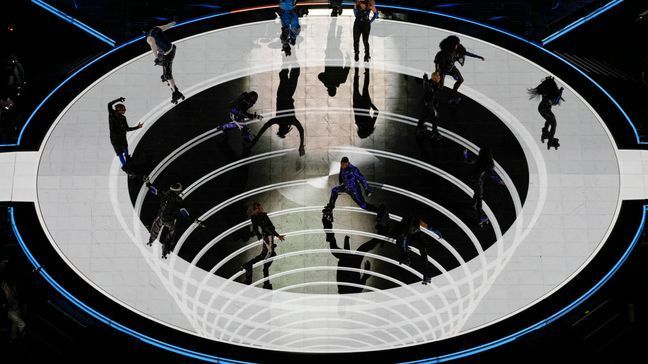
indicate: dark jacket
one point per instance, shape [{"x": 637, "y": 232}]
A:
[
  {"x": 261, "y": 220},
  {"x": 350, "y": 177},
  {"x": 118, "y": 126}
]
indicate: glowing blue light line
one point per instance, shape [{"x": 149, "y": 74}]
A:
[
  {"x": 74, "y": 22},
  {"x": 581, "y": 21},
  {"x": 447, "y": 357}
]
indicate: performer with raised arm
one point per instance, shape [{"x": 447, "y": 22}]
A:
[{"x": 118, "y": 129}]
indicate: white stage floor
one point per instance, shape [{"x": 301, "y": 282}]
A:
[{"x": 83, "y": 203}]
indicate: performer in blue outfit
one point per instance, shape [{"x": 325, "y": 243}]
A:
[
  {"x": 352, "y": 182},
  {"x": 239, "y": 114},
  {"x": 290, "y": 27}
]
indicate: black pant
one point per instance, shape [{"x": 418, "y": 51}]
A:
[
  {"x": 456, "y": 74},
  {"x": 355, "y": 193},
  {"x": 550, "y": 119},
  {"x": 167, "y": 238},
  {"x": 429, "y": 114},
  {"x": 361, "y": 28},
  {"x": 267, "y": 239},
  {"x": 167, "y": 64}
]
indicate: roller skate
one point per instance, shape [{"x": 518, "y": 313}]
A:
[
  {"x": 176, "y": 96},
  {"x": 427, "y": 280},
  {"x": 553, "y": 142},
  {"x": 327, "y": 213},
  {"x": 483, "y": 220}
]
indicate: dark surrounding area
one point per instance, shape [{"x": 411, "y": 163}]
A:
[{"x": 610, "y": 327}]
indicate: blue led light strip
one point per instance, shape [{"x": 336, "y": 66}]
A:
[
  {"x": 581, "y": 21},
  {"x": 74, "y": 22},
  {"x": 443, "y": 358},
  {"x": 104, "y": 319}
]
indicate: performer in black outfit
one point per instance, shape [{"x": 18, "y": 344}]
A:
[
  {"x": 408, "y": 232},
  {"x": 551, "y": 95},
  {"x": 336, "y": 6},
  {"x": 452, "y": 51},
  {"x": 260, "y": 220},
  {"x": 285, "y": 117},
  {"x": 483, "y": 166},
  {"x": 164, "y": 52},
  {"x": 167, "y": 217},
  {"x": 431, "y": 88},
  {"x": 362, "y": 26},
  {"x": 362, "y": 106},
  {"x": 118, "y": 129}
]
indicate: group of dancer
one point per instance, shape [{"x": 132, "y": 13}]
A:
[
  {"x": 351, "y": 181},
  {"x": 365, "y": 13}
]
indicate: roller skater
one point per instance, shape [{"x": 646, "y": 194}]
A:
[
  {"x": 260, "y": 220},
  {"x": 431, "y": 88},
  {"x": 550, "y": 95},
  {"x": 239, "y": 115},
  {"x": 483, "y": 166},
  {"x": 164, "y": 224},
  {"x": 164, "y": 52},
  {"x": 118, "y": 129},
  {"x": 452, "y": 51},
  {"x": 362, "y": 26}
]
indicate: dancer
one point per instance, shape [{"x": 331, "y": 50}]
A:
[
  {"x": 164, "y": 224},
  {"x": 452, "y": 51},
  {"x": 362, "y": 106},
  {"x": 409, "y": 233},
  {"x": 551, "y": 95},
  {"x": 285, "y": 116},
  {"x": 431, "y": 88},
  {"x": 362, "y": 26},
  {"x": 164, "y": 52},
  {"x": 483, "y": 166},
  {"x": 261, "y": 220},
  {"x": 336, "y": 7},
  {"x": 290, "y": 27},
  {"x": 118, "y": 129},
  {"x": 239, "y": 115},
  {"x": 353, "y": 183}
]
